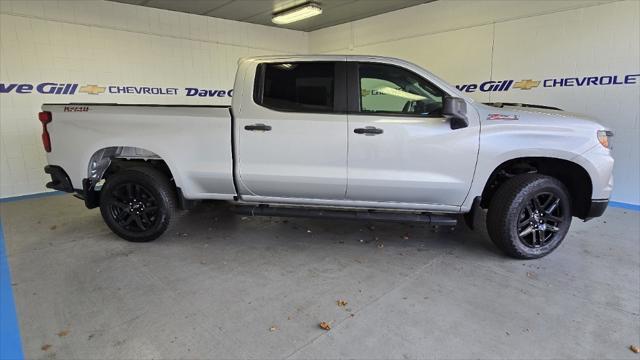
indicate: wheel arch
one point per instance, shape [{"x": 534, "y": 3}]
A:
[
  {"x": 574, "y": 177},
  {"x": 105, "y": 159},
  {"x": 108, "y": 160}
]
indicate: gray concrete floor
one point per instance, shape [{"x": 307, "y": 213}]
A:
[{"x": 216, "y": 285}]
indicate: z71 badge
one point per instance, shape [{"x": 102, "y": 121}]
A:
[{"x": 502, "y": 117}]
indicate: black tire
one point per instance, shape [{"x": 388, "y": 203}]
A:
[
  {"x": 529, "y": 216},
  {"x": 138, "y": 203}
]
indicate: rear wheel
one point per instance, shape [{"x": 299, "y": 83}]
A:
[
  {"x": 529, "y": 216},
  {"x": 138, "y": 204}
]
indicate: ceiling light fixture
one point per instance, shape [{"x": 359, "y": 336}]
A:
[{"x": 297, "y": 13}]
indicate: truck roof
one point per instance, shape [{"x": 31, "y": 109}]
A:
[{"x": 320, "y": 57}]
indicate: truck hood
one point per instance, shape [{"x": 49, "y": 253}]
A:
[
  {"x": 538, "y": 132},
  {"x": 544, "y": 117}
]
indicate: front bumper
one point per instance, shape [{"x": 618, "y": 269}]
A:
[{"x": 597, "y": 208}]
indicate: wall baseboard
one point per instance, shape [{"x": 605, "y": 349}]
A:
[
  {"x": 623, "y": 205},
  {"x": 31, "y": 196}
]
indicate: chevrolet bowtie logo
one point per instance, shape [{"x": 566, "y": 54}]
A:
[
  {"x": 92, "y": 89},
  {"x": 526, "y": 84}
]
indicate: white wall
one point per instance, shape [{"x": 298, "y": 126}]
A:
[
  {"x": 104, "y": 43},
  {"x": 473, "y": 41}
]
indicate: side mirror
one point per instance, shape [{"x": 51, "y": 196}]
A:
[{"x": 455, "y": 109}]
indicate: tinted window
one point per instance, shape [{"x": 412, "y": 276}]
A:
[
  {"x": 390, "y": 89},
  {"x": 303, "y": 86}
]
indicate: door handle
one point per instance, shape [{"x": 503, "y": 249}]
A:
[
  {"x": 258, "y": 127},
  {"x": 368, "y": 131}
]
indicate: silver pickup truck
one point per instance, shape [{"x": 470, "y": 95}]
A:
[{"x": 349, "y": 137}]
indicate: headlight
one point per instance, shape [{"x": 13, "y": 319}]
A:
[{"x": 603, "y": 137}]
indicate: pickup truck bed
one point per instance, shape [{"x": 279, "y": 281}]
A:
[{"x": 194, "y": 141}]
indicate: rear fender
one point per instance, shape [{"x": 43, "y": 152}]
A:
[{"x": 101, "y": 160}]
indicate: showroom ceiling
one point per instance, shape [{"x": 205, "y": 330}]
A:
[{"x": 260, "y": 11}]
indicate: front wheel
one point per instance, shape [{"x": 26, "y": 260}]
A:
[
  {"x": 529, "y": 216},
  {"x": 138, "y": 203}
]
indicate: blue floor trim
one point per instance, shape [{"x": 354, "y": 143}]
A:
[
  {"x": 616, "y": 204},
  {"x": 10, "y": 343},
  {"x": 31, "y": 196}
]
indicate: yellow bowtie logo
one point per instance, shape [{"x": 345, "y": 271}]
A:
[
  {"x": 92, "y": 89},
  {"x": 526, "y": 84}
]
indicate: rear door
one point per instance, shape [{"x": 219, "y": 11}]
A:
[
  {"x": 401, "y": 148},
  {"x": 291, "y": 132}
]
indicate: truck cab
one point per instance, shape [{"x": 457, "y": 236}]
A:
[{"x": 350, "y": 131}]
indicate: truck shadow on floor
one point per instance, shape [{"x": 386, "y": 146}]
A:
[{"x": 214, "y": 223}]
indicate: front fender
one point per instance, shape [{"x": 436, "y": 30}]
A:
[
  {"x": 598, "y": 162},
  {"x": 487, "y": 164}
]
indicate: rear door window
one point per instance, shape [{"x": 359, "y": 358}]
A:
[{"x": 297, "y": 86}]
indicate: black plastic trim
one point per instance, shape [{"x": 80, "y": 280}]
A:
[
  {"x": 258, "y": 81},
  {"x": 59, "y": 179},
  {"x": 503, "y": 104},
  {"x": 234, "y": 165},
  {"x": 340, "y": 88},
  {"x": 265, "y": 210},
  {"x": 393, "y": 114},
  {"x": 597, "y": 208},
  {"x": 184, "y": 203},
  {"x": 90, "y": 196},
  {"x": 353, "y": 87},
  {"x": 471, "y": 215}
]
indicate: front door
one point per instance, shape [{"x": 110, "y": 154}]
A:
[
  {"x": 401, "y": 148},
  {"x": 291, "y": 139}
]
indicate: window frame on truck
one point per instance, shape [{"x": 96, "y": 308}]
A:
[
  {"x": 339, "y": 87},
  {"x": 354, "y": 90}
]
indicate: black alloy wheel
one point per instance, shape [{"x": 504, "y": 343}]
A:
[
  {"x": 529, "y": 216},
  {"x": 134, "y": 207},
  {"x": 138, "y": 203},
  {"x": 540, "y": 220}
]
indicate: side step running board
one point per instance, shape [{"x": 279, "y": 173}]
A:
[{"x": 425, "y": 218}]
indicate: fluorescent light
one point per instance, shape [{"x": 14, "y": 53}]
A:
[{"x": 297, "y": 13}]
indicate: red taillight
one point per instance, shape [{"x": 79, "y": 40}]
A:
[{"x": 45, "y": 118}]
